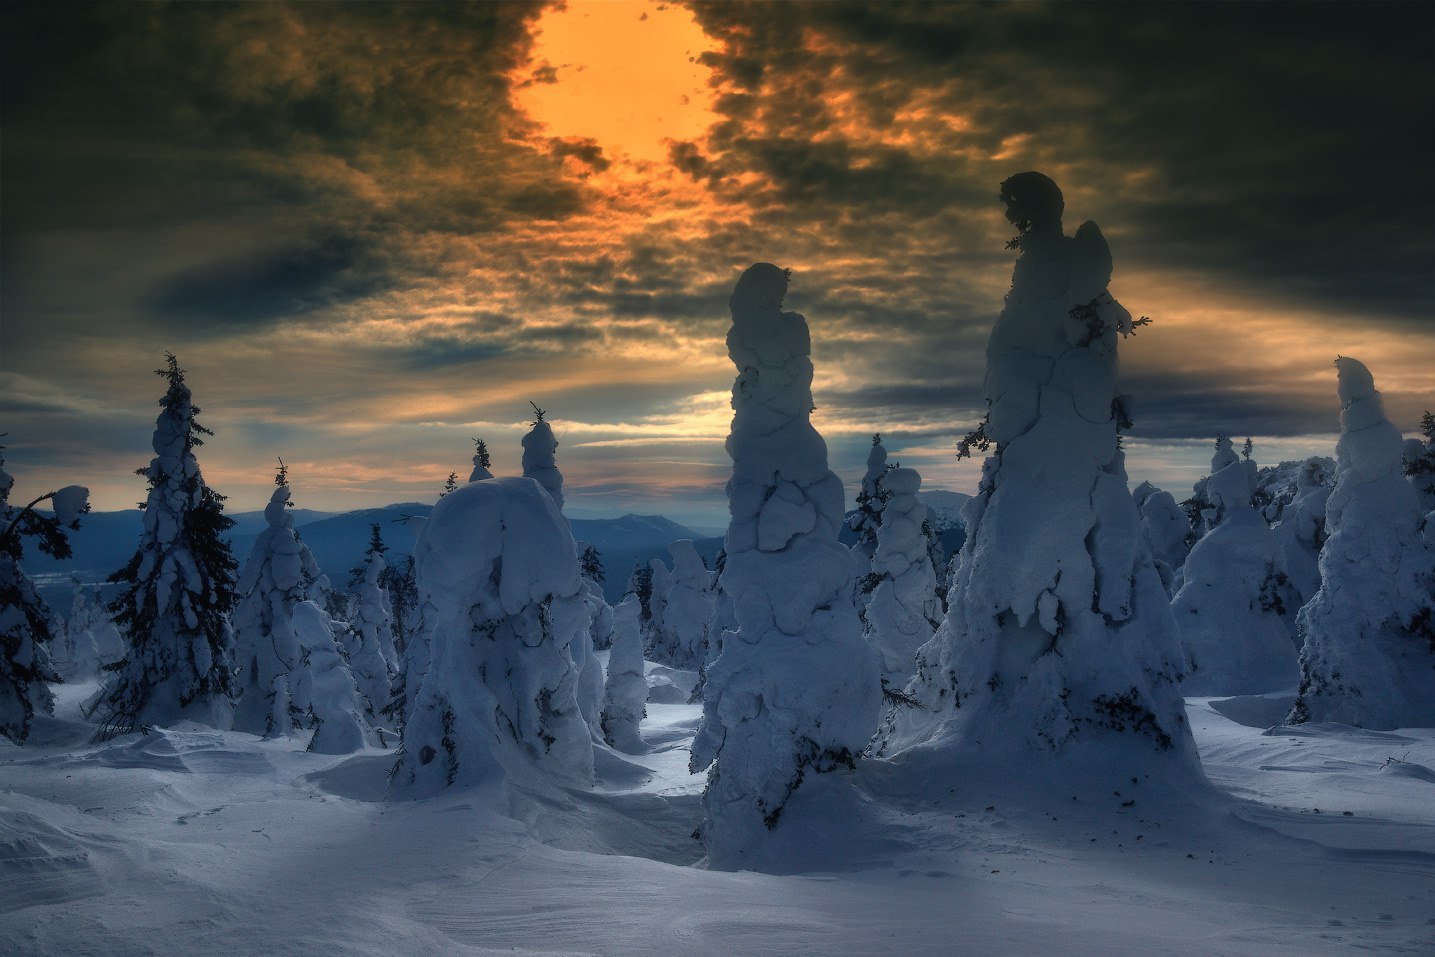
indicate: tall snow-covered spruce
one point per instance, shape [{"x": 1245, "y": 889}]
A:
[
  {"x": 796, "y": 689},
  {"x": 276, "y": 579},
  {"x": 178, "y": 587},
  {"x": 498, "y": 693},
  {"x": 1368, "y": 657},
  {"x": 1059, "y": 638}
]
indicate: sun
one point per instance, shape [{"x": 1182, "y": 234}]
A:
[{"x": 624, "y": 73}]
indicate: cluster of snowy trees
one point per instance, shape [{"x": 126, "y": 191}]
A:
[{"x": 1068, "y": 628}]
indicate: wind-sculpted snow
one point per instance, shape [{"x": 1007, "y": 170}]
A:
[
  {"x": 498, "y": 571},
  {"x": 1058, "y": 629},
  {"x": 794, "y": 689},
  {"x": 1229, "y": 609},
  {"x": 1369, "y": 653}
]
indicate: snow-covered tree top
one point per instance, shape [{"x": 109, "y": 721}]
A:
[
  {"x": 512, "y": 519},
  {"x": 539, "y": 455},
  {"x": 1032, "y": 199},
  {"x": 481, "y": 463},
  {"x": 1225, "y": 454}
]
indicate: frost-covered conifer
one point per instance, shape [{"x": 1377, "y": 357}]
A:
[
  {"x": 1420, "y": 462},
  {"x": 25, "y": 632},
  {"x": 871, "y": 499},
  {"x": 625, "y": 695},
  {"x": 498, "y": 570},
  {"x": 276, "y": 579},
  {"x": 1369, "y": 654},
  {"x": 1301, "y": 534},
  {"x": 796, "y": 690},
  {"x": 481, "y": 463},
  {"x": 904, "y": 608},
  {"x": 324, "y": 694},
  {"x": 590, "y": 566},
  {"x": 682, "y": 606},
  {"x": 369, "y": 640},
  {"x": 539, "y": 453},
  {"x": 1164, "y": 527},
  {"x": 1229, "y": 609},
  {"x": 178, "y": 587},
  {"x": 1058, "y": 632}
]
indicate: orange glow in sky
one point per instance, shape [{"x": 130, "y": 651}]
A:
[{"x": 621, "y": 72}]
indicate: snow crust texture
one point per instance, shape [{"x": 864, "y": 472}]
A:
[
  {"x": 1058, "y": 629},
  {"x": 499, "y": 692},
  {"x": 795, "y": 689},
  {"x": 1368, "y": 657}
]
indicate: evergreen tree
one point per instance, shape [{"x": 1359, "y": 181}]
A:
[
  {"x": 798, "y": 692},
  {"x": 481, "y": 465},
  {"x": 177, "y": 589},
  {"x": 1419, "y": 458},
  {"x": 449, "y": 484},
  {"x": 25, "y": 632},
  {"x": 276, "y": 579},
  {"x": 1368, "y": 656}
]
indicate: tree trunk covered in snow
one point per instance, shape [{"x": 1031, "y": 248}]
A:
[{"x": 795, "y": 689}]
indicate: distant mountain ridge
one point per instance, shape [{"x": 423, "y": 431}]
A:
[{"x": 105, "y": 541}]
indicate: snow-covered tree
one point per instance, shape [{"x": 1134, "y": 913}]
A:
[
  {"x": 178, "y": 589},
  {"x": 798, "y": 689},
  {"x": 590, "y": 567},
  {"x": 1164, "y": 527},
  {"x": 1058, "y": 638},
  {"x": 1420, "y": 462},
  {"x": 25, "y": 632},
  {"x": 1230, "y": 606},
  {"x": 88, "y": 639},
  {"x": 324, "y": 694},
  {"x": 276, "y": 579},
  {"x": 498, "y": 570},
  {"x": 1368, "y": 657},
  {"x": 625, "y": 694},
  {"x": 540, "y": 448},
  {"x": 904, "y": 609},
  {"x": 481, "y": 463},
  {"x": 369, "y": 640},
  {"x": 682, "y": 606},
  {"x": 539, "y": 454},
  {"x": 871, "y": 499},
  {"x": 1301, "y": 533}
]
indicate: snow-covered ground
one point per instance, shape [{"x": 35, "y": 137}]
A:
[{"x": 1317, "y": 840}]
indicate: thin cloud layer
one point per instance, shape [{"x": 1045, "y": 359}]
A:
[{"x": 366, "y": 227}]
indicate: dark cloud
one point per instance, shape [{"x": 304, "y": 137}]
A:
[{"x": 276, "y": 284}]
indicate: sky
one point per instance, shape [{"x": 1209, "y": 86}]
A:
[{"x": 372, "y": 232}]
